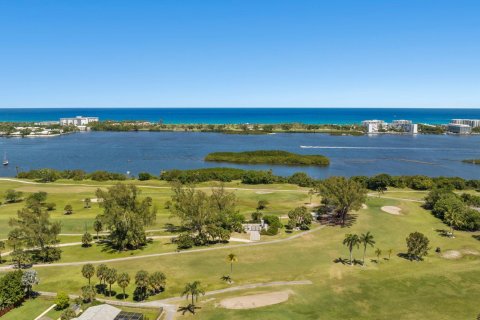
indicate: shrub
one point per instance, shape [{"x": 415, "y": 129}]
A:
[{"x": 62, "y": 300}]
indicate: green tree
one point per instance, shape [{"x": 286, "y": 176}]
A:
[
  {"x": 88, "y": 293},
  {"x": 111, "y": 278},
  {"x": 141, "y": 281},
  {"x": 232, "y": 258},
  {"x": 62, "y": 300},
  {"x": 11, "y": 289},
  {"x": 125, "y": 215},
  {"x": 367, "y": 240},
  {"x": 68, "y": 314},
  {"x": 2, "y": 247},
  {"x": 68, "y": 209},
  {"x": 311, "y": 193},
  {"x": 351, "y": 240},
  {"x": 123, "y": 282},
  {"x": 262, "y": 204},
  {"x": 300, "y": 218},
  {"x": 97, "y": 226},
  {"x": 417, "y": 244},
  {"x": 345, "y": 194},
  {"x": 390, "y": 251},
  {"x": 20, "y": 258},
  {"x": 15, "y": 239},
  {"x": 87, "y": 203},
  {"x": 86, "y": 239},
  {"x": 157, "y": 281},
  {"x": 12, "y": 196},
  {"x": 88, "y": 270},
  {"x": 101, "y": 275},
  {"x": 36, "y": 199},
  {"x": 193, "y": 290}
]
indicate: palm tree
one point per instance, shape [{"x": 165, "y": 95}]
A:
[
  {"x": 231, "y": 258},
  {"x": 193, "y": 290},
  {"x": 88, "y": 270},
  {"x": 101, "y": 273},
  {"x": 123, "y": 282},
  {"x": 367, "y": 240},
  {"x": 453, "y": 219},
  {"x": 351, "y": 240},
  {"x": 378, "y": 252},
  {"x": 311, "y": 193},
  {"x": 141, "y": 281},
  {"x": 97, "y": 226},
  {"x": 390, "y": 251},
  {"x": 111, "y": 278}
]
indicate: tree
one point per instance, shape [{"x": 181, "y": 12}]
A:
[
  {"x": 351, "y": 240},
  {"x": 101, "y": 275},
  {"x": 157, "y": 281},
  {"x": 111, "y": 278},
  {"x": 36, "y": 199},
  {"x": 300, "y": 218},
  {"x": 141, "y": 281},
  {"x": 97, "y": 226},
  {"x": 390, "y": 251},
  {"x": 15, "y": 239},
  {"x": 378, "y": 252},
  {"x": 367, "y": 240},
  {"x": 88, "y": 293},
  {"x": 417, "y": 244},
  {"x": 62, "y": 300},
  {"x": 87, "y": 203},
  {"x": 50, "y": 206},
  {"x": 86, "y": 239},
  {"x": 257, "y": 216},
  {"x": 20, "y": 258},
  {"x": 68, "y": 209},
  {"x": 29, "y": 279},
  {"x": 193, "y": 290},
  {"x": 11, "y": 289},
  {"x": 125, "y": 215},
  {"x": 123, "y": 282},
  {"x": 262, "y": 204},
  {"x": 344, "y": 194},
  {"x": 12, "y": 196},
  {"x": 311, "y": 193},
  {"x": 88, "y": 270},
  {"x": 232, "y": 258},
  {"x": 68, "y": 314},
  {"x": 33, "y": 225},
  {"x": 2, "y": 247}
]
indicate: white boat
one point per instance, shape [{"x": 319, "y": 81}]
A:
[{"x": 5, "y": 160}]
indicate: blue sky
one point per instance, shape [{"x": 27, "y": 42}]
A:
[{"x": 245, "y": 53}]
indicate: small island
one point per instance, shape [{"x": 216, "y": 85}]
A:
[
  {"x": 472, "y": 161},
  {"x": 277, "y": 157}
]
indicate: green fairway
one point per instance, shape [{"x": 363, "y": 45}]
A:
[{"x": 437, "y": 288}]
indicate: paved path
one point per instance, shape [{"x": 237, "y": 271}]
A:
[
  {"x": 169, "y": 305},
  {"x": 229, "y": 247}
]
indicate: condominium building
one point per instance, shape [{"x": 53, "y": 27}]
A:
[
  {"x": 78, "y": 121},
  {"x": 474, "y": 123},
  {"x": 373, "y": 126},
  {"x": 404, "y": 126},
  {"x": 459, "y": 128}
]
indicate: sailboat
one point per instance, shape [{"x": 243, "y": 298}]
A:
[{"x": 5, "y": 160}]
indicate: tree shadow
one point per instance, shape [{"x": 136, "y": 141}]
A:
[
  {"x": 170, "y": 227},
  {"x": 476, "y": 236},
  {"x": 121, "y": 296},
  {"x": 190, "y": 308},
  {"x": 443, "y": 233},
  {"x": 409, "y": 257},
  {"x": 100, "y": 288},
  {"x": 109, "y": 293},
  {"x": 334, "y": 220}
]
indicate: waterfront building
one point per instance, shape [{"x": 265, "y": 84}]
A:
[
  {"x": 404, "y": 126},
  {"x": 474, "y": 123},
  {"x": 78, "y": 121},
  {"x": 373, "y": 126},
  {"x": 459, "y": 128}
]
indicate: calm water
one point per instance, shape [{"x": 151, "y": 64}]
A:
[
  {"x": 433, "y": 155},
  {"x": 245, "y": 115}
]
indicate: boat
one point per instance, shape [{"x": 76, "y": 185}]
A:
[{"x": 5, "y": 160}]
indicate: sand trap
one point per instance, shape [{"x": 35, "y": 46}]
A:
[
  {"x": 311, "y": 205},
  {"x": 364, "y": 206},
  {"x": 263, "y": 192},
  {"x": 457, "y": 254},
  {"x": 392, "y": 210},
  {"x": 256, "y": 300},
  {"x": 93, "y": 200}
]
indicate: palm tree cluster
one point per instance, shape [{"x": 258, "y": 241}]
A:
[
  {"x": 354, "y": 240},
  {"x": 146, "y": 284}
]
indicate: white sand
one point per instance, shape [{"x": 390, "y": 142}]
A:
[
  {"x": 457, "y": 254},
  {"x": 392, "y": 210},
  {"x": 256, "y": 300},
  {"x": 263, "y": 192},
  {"x": 364, "y": 206}
]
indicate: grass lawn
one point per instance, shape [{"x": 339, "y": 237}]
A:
[
  {"x": 30, "y": 309},
  {"x": 436, "y": 288}
]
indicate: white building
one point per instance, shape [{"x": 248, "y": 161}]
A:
[
  {"x": 459, "y": 128},
  {"x": 78, "y": 121},
  {"x": 474, "y": 123},
  {"x": 404, "y": 126},
  {"x": 373, "y": 126}
]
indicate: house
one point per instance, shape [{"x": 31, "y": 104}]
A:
[
  {"x": 254, "y": 229},
  {"x": 108, "y": 312}
]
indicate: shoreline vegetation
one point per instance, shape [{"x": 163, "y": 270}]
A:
[
  {"x": 472, "y": 161},
  {"x": 33, "y": 129},
  {"x": 275, "y": 157}
]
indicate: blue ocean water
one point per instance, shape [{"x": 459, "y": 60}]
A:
[{"x": 244, "y": 115}]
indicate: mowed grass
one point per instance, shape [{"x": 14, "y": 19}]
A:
[
  {"x": 31, "y": 308},
  {"x": 436, "y": 288}
]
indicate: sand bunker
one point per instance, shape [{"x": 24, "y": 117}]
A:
[
  {"x": 457, "y": 254},
  {"x": 364, "y": 206},
  {"x": 94, "y": 200},
  {"x": 256, "y": 300},
  {"x": 263, "y": 192},
  {"x": 392, "y": 210}
]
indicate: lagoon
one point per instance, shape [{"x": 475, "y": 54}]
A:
[{"x": 433, "y": 155}]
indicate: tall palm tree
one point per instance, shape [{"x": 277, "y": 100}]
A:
[
  {"x": 193, "y": 290},
  {"x": 88, "y": 270},
  {"x": 231, "y": 258},
  {"x": 367, "y": 240},
  {"x": 123, "y": 282},
  {"x": 351, "y": 240},
  {"x": 101, "y": 273},
  {"x": 311, "y": 193}
]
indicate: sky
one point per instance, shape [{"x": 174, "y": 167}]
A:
[{"x": 242, "y": 53}]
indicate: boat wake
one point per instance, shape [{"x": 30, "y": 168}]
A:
[{"x": 376, "y": 148}]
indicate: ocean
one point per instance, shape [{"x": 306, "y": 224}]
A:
[{"x": 244, "y": 115}]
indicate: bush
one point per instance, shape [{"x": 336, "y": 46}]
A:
[
  {"x": 62, "y": 300},
  {"x": 11, "y": 289},
  {"x": 184, "y": 241},
  {"x": 273, "y": 225},
  {"x": 143, "y": 176},
  {"x": 269, "y": 157},
  {"x": 68, "y": 314},
  {"x": 258, "y": 177},
  {"x": 202, "y": 175}
]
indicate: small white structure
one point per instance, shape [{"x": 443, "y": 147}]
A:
[
  {"x": 103, "y": 311},
  {"x": 373, "y": 126},
  {"x": 78, "y": 121},
  {"x": 254, "y": 229}
]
